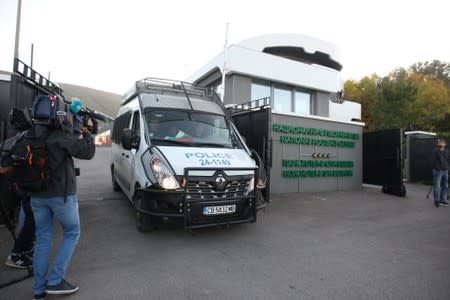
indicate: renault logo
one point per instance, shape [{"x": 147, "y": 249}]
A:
[{"x": 220, "y": 182}]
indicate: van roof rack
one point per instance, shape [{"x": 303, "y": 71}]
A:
[{"x": 160, "y": 85}]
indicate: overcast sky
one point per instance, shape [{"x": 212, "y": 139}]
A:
[{"x": 109, "y": 44}]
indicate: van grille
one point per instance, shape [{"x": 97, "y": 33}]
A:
[{"x": 207, "y": 191}]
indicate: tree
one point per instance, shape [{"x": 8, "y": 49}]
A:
[
  {"x": 366, "y": 93},
  {"x": 417, "y": 98},
  {"x": 436, "y": 69},
  {"x": 431, "y": 105},
  {"x": 398, "y": 92}
]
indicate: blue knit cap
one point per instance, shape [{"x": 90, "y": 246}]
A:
[{"x": 76, "y": 105}]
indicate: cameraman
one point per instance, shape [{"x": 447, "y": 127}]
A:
[{"x": 59, "y": 200}]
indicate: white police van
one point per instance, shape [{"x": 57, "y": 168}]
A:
[{"x": 178, "y": 157}]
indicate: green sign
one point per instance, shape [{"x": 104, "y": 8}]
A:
[
  {"x": 286, "y": 139},
  {"x": 315, "y": 131},
  {"x": 347, "y": 140},
  {"x": 317, "y": 163},
  {"x": 317, "y": 173}
]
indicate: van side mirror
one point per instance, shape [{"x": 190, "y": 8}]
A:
[{"x": 128, "y": 140}]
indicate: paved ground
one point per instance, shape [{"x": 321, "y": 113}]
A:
[{"x": 341, "y": 245}]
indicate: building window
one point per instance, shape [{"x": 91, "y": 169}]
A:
[
  {"x": 218, "y": 88},
  {"x": 302, "y": 103},
  {"x": 282, "y": 98},
  {"x": 260, "y": 89}
]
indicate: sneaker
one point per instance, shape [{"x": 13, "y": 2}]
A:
[
  {"x": 19, "y": 261},
  {"x": 443, "y": 203},
  {"x": 436, "y": 204},
  {"x": 40, "y": 296},
  {"x": 61, "y": 288}
]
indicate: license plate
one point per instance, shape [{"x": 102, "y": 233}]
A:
[{"x": 219, "y": 210}]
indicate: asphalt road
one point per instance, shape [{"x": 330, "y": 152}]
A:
[{"x": 341, "y": 245}]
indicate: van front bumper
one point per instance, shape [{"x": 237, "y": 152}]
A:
[{"x": 168, "y": 207}]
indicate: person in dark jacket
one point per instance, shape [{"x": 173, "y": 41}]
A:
[
  {"x": 440, "y": 173},
  {"x": 21, "y": 255},
  {"x": 58, "y": 201}
]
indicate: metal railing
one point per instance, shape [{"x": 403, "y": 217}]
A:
[
  {"x": 250, "y": 106},
  {"x": 34, "y": 77}
]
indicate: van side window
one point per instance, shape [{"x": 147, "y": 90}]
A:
[
  {"x": 136, "y": 128},
  {"x": 120, "y": 123},
  {"x": 136, "y": 124}
]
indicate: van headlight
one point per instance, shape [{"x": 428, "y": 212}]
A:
[
  {"x": 160, "y": 169},
  {"x": 251, "y": 185}
]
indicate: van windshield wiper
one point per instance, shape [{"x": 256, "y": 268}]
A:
[
  {"x": 191, "y": 144},
  {"x": 211, "y": 145},
  {"x": 170, "y": 141}
]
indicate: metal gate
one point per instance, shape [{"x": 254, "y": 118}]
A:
[
  {"x": 383, "y": 160},
  {"x": 419, "y": 158},
  {"x": 253, "y": 120}
]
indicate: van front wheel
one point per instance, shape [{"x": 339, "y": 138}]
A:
[{"x": 143, "y": 221}]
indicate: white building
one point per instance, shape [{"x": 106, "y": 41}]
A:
[
  {"x": 301, "y": 74},
  {"x": 311, "y": 139}
]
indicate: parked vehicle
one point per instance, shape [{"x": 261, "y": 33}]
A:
[{"x": 178, "y": 157}]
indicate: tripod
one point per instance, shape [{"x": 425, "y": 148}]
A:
[{"x": 11, "y": 228}]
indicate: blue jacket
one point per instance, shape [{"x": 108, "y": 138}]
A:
[{"x": 440, "y": 159}]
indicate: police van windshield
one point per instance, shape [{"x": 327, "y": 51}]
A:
[{"x": 174, "y": 128}]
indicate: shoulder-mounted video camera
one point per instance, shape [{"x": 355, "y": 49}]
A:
[
  {"x": 89, "y": 114},
  {"x": 54, "y": 111},
  {"x": 85, "y": 117}
]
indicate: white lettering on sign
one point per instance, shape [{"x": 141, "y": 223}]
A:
[{"x": 208, "y": 155}]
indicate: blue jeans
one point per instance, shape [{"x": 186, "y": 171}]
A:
[
  {"x": 66, "y": 213},
  {"x": 440, "y": 185}
]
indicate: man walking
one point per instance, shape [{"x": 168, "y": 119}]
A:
[
  {"x": 440, "y": 173},
  {"x": 58, "y": 201}
]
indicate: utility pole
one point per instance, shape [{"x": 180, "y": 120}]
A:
[
  {"x": 16, "y": 47},
  {"x": 32, "y": 54},
  {"x": 224, "y": 62}
]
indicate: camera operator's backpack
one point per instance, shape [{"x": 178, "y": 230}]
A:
[{"x": 29, "y": 159}]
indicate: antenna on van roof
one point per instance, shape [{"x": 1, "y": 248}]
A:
[{"x": 187, "y": 96}]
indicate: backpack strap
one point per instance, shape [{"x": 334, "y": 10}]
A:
[
  {"x": 4, "y": 170},
  {"x": 1, "y": 148},
  {"x": 14, "y": 139}
]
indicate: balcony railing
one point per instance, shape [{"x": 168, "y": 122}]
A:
[
  {"x": 250, "y": 106},
  {"x": 35, "y": 78}
]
